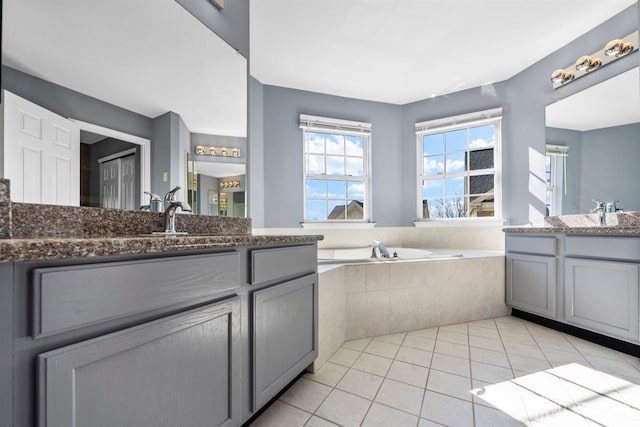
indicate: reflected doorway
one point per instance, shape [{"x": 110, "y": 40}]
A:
[{"x": 217, "y": 188}]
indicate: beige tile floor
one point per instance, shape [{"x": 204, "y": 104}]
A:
[{"x": 496, "y": 372}]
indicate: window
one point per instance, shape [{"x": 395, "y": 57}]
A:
[
  {"x": 336, "y": 169},
  {"x": 458, "y": 166},
  {"x": 556, "y": 163}
]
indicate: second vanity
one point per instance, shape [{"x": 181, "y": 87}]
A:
[{"x": 586, "y": 277}]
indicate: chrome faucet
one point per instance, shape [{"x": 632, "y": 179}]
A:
[
  {"x": 170, "y": 211},
  {"x": 382, "y": 249},
  {"x": 600, "y": 210}
]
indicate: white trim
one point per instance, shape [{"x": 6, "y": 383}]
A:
[
  {"x": 117, "y": 155},
  {"x": 459, "y": 120},
  {"x": 366, "y": 178},
  {"x": 462, "y": 122},
  {"x": 460, "y": 222},
  {"x": 337, "y": 225},
  {"x": 145, "y": 151},
  {"x": 327, "y": 124}
]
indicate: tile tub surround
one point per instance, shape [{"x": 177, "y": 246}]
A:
[
  {"x": 475, "y": 237},
  {"x": 508, "y": 372},
  {"x": 385, "y": 298}
]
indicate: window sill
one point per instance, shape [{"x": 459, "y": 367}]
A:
[
  {"x": 337, "y": 225},
  {"x": 460, "y": 222}
]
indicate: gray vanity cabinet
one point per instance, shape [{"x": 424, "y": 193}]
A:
[
  {"x": 177, "y": 371},
  {"x": 284, "y": 335},
  {"x": 531, "y": 274},
  {"x": 602, "y": 296}
]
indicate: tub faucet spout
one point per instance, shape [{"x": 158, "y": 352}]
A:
[{"x": 382, "y": 249}]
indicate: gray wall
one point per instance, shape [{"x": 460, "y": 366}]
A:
[
  {"x": 605, "y": 164},
  {"x": 69, "y": 103},
  {"x": 255, "y": 168},
  {"x": 205, "y": 184},
  {"x": 170, "y": 142},
  {"x": 231, "y": 23},
  {"x": 283, "y": 152},
  {"x": 523, "y": 99}
]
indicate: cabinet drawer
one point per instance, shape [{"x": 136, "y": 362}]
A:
[
  {"x": 531, "y": 244},
  {"x": 270, "y": 264},
  {"x": 627, "y": 248},
  {"x": 74, "y": 296}
]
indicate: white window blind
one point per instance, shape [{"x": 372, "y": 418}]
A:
[{"x": 326, "y": 124}]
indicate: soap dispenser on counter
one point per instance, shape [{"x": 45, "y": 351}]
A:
[{"x": 155, "y": 203}]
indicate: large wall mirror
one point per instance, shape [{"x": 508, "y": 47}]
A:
[
  {"x": 593, "y": 147},
  {"x": 106, "y": 100}
]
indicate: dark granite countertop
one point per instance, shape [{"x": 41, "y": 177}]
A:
[{"x": 13, "y": 250}]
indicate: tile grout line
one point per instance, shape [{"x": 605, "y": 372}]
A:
[{"x": 473, "y": 402}]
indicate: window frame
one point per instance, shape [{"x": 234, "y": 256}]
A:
[
  {"x": 332, "y": 126},
  {"x": 448, "y": 124}
]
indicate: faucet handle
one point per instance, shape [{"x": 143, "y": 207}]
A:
[
  {"x": 171, "y": 194},
  {"x": 599, "y": 204}
]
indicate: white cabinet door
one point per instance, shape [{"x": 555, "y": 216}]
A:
[
  {"x": 602, "y": 296},
  {"x": 41, "y": 154},
  {"x": 531, "y": 283}
]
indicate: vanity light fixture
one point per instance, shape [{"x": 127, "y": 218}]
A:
[
  {"x": 230, "y": 184},
  {"x": 562, "y": 76},
  {"x": 617, "y": 48},
  {"x": 587, "y": 63},
  {"x": 202, "y": 150},
  {"x": 613, "y": 51}
]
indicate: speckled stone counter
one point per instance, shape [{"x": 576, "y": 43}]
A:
[
  {"x": 5, "y": 209},
  {"x": 31, "y": 232},
  {"x": 32, "y": 221},
  {"x": 12, "y": 250},
  {"x": 595, "y": 230},
  {"x": 618, "y": 224}
]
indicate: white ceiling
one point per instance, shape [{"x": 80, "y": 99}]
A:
[
  {"x": 149, "y": 57},
  {"x": 614, "y": 102},
  {"x": 399, "y": 51}
]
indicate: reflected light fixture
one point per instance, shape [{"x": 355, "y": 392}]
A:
[
  {"x": 230, "y": 184},
  {"x": 202, "y": 150}
]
